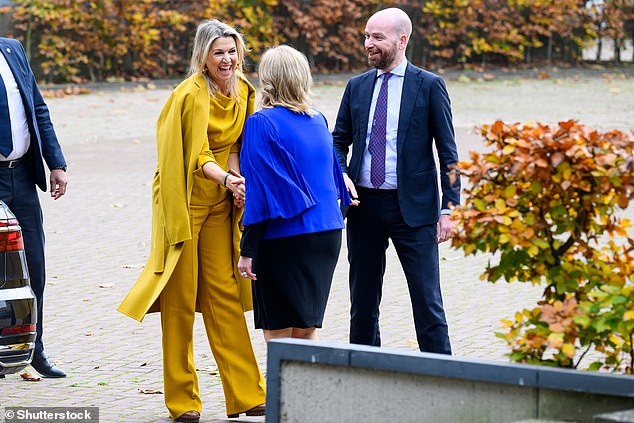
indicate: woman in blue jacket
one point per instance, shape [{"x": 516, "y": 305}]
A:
[{"x": 292, "y": 216}]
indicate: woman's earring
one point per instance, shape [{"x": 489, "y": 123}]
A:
[{"x": 204, "y": 69}]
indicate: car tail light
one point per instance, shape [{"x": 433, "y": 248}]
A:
[
  {"x": 10, "y": 236},
  {"x": 15, "y": 330}
]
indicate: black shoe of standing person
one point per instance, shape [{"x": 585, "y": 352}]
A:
[{"x": 44, "y": 367}]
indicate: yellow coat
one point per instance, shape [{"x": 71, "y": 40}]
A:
[{"x": 185, "y": 116}]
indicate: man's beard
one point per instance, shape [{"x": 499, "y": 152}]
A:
[{"x": 383, "y": 59}]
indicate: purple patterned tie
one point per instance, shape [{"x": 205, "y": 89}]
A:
[{"x": 376, "y": 146}]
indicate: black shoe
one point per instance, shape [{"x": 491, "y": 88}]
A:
[
  {"x": 258, "y": 410},
  {"x": 43, "y": 366},
  {"x": 191, "y": 416}
]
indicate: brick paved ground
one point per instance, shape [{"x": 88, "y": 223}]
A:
[{"x": 98, "y": 236}]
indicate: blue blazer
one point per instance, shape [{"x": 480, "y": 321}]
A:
[
  {"x": 425, "y": 117},
  {"x": 44, "y": 143}
]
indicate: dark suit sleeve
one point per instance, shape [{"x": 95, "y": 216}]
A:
[
  {"x": 342, "y": 134},
  {"x": 51, "y": 150},
  {"x": 443, "y": 132}
]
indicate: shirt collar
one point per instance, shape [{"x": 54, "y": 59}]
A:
[{"x": 399, "y": 70}]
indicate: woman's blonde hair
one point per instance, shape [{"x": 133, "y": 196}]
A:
[
  {"x": 208, "y": 32},
  {"x": 285, "y": 79}
]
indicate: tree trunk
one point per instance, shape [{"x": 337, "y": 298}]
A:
[
  {"x": 549, "y": 49},
  {"x": 27, "y": 41},
  {"x": 599, "y": 48},
  {"x": 617, "y": 50}
]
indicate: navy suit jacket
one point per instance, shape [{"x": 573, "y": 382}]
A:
[
  {"x": 425, "y": 117},
  {"x": 44, "y": 143}
]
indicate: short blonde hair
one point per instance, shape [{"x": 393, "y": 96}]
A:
[
  {"x": 285, "y": 79},
  {"x": 208, "y": 32}
]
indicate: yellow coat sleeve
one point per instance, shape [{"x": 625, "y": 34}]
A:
[
  {"x": 172, "y": 200},
  {"x": 181, "y": 132}
]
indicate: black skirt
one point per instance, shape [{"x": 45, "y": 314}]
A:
[{"x": 294, "y": 275}]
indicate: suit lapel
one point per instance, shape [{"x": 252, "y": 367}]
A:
[
  {"x": 10, "y": 54},
  {"x": 19, "y": 74},
  {"x": 366, "y": 88},
  {"x": 411, "y": 87}
]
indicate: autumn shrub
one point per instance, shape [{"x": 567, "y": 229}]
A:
[
  {"x": 328, "y": 32},
  {"x": 101, "y": 40},
  {"x": 71, "y": 40},
  {"x": 548, "y": 204},
  {"x": 98, "y": 40}
]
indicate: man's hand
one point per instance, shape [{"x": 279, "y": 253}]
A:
[
  {"x": 58, "y": 183},
  {"x": 445, "y": 227},
  {"x": 354, "y": 197}
]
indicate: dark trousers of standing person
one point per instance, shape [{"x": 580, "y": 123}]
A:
[
  {"x": 370, "y": 226},
  {"x": 19, "y": 192}
]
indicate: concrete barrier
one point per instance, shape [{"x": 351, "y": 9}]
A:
[{"x": 324, "y": 382}]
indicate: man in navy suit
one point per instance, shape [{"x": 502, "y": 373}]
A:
[
  {"x": 392, "y": 116},
  {"x": 27, "y": 139}
]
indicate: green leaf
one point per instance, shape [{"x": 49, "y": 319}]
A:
[
  {"x": 543, "y": 245},
  {"x": 595, "y": 366},
  {"x": 536, "y": 187},
  {"x": 479, "y": 204},
  {"x": 628, "y": 315},
  {"x": 510, "y": 191},
  {"x": 618, "y": 300},
  {"x": 583, "y": 321}
]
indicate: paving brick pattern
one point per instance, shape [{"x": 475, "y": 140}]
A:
[{"x": 98, "y": 239}]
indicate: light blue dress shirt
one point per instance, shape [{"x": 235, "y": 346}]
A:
[{"x": 394, "y": 92}]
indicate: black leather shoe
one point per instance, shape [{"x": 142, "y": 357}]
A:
[
  {"x": 189, "y": 417},
  {"x": 43, "y": 366},
  {"x": 258, "y": 410}
]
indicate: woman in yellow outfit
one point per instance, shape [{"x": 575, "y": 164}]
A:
[{"x": 196, "y": 212}]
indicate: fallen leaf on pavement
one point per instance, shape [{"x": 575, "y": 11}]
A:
[
  {"x": 30, "y": 377},
  {"x": 149, "y": 391},
  {"x": 60, "y": 93},
  {"x": 208, "y": 371}
]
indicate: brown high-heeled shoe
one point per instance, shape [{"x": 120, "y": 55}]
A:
[
  {"x": 189, "y": 417},
  {"x": 258, "y": 410}
]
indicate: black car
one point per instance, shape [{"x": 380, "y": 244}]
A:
[{"x": 18, "y": 312}]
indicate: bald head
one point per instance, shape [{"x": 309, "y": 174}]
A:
[
  {"x": 386, "y": 35},
  {"x": 396, "y": 18}
]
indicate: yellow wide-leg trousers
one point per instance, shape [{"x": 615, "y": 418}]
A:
[{"x": 204, "y": 273}]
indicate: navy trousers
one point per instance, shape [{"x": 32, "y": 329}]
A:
[
  {"x": 19, "y": 192},
  {"x": 370, "y": 226}
]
